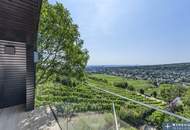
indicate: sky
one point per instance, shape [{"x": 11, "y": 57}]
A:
[{"x": 133, "y": 32}]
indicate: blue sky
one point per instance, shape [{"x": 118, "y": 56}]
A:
[{"x": 129, "y": 32}]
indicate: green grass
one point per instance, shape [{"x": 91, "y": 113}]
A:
[
  {"x": 109, "y": 77},
  {"x": 138, "y": 84}
]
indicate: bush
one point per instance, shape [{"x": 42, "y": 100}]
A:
[
  {"x": 155, "y": 83},
  {"x": 141, "y": 91},
  {"x": 131, "y": 88},
  {"x": 98, "y": 79},
  {"x": 121, "y": 85},
  {"x": 67, "y": 82},
  {"x": 171, "y": 92},
  {"x": 154, "y": 94}
]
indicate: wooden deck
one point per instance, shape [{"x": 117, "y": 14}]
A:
[{"x": 15, "y": 118}]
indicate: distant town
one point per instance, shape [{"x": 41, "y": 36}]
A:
[{"x": 168, "y": 73}]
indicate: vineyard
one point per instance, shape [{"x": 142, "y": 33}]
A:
[
  {"x": 129, "y": 94},
  {"x": 85, "y": 98}
]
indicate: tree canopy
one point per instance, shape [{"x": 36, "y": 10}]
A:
[{"x": 60, "y": 45}]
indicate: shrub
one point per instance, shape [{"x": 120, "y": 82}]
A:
[
  {"x": 121, "y": 85},
  {"x": 154, "y": 94},
  {"x": 98, "y": 79},
  {"x": 141, "y": 91},
  {"x": 131, "y": 88}
]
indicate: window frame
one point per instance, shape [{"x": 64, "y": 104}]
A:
[{"x": 9, "y": 50}]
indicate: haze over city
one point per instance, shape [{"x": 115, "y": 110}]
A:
[{"x": 133, "y": 32}]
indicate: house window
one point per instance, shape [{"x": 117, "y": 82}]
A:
[{"x": 10, "y": 50}]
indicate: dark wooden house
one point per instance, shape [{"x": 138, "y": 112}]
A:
[{"x": 18, "y": 35}]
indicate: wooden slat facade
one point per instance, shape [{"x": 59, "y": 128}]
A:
[
  {"x": 18, "y": 27},
  {"x": 13, "y": 78},
  {"x": 30, "y": 79}
]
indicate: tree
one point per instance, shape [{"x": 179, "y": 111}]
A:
[
  {"x": 121, "y": 84},
  {"x": 154, "y": 94},
  {"x": 156, "y": 83},
  {"x": 186, "y": 98},
  {"x": 141, "y": 91},
  {"x": 60, "y": 45},
  {"x": 171, "y": 92},
  {"x": 131, "y": 88}
]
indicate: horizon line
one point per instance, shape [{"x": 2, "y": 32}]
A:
[{"x": 140, "y": 64}]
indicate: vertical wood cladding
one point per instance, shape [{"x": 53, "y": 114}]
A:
[{"x": 12, "y": 74}]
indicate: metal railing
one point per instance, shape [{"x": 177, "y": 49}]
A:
[
  {"x": 67, "y": 117},
  {"x": 143, "y": 104}
]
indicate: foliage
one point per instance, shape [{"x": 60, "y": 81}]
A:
[
  {"x": 141, "y": 91},
  {"x": 60, "y": 45},
  {"x": 186, "y": 98},
  {"x": 170, "y": 93},
  {"x": 156, "y": 83},
  {"x": 157, "y": 119},
  {"x": 121, "y": 85},
  {"x": 65, "y": 81},
  {"x": 154, "y": 94},
  {"x": 179, "y": 107},
  {"x": 98, "y": 79},
  {"x": 85, "y": 98},
  {"x": 132, "y": 114},
  {"x": 132, "y": 94},
  {"x": 131, "y": 88}
]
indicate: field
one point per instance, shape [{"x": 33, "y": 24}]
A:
[{"x": 138, "y": 84}]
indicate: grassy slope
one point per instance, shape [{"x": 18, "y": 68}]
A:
[
  {"x": 88, "y": 99},
  {"x": 139, "y": 84}
]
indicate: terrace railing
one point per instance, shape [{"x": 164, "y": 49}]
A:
[
  {"x": 70, "y": 119},
  {"x": 143, "y": 104}
]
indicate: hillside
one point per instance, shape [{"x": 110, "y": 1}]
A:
[{"x": 85, "y": 98}]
